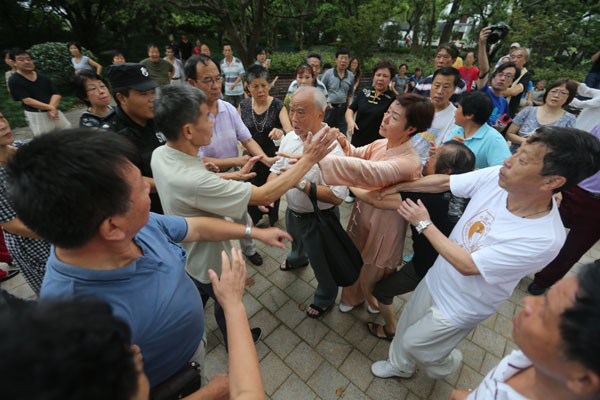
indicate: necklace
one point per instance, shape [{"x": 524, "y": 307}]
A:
[
  {"x": 260, "y": 127},
  {"x": 539, "y": 212}
]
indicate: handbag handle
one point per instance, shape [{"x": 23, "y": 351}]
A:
[{"x": 312, "y": 195}]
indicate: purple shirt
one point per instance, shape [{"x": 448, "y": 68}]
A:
[
  {"x": 227, "y": 130},
  {"x": 592, "y": 184}
]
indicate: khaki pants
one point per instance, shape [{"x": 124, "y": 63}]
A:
[
  {"x": 425, "y": 337},
  {"x": 40, "y": 122}
]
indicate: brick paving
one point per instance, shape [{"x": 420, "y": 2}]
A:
[{"x": 330, "y": 358}]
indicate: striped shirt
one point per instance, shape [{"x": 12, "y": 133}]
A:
[{"x": 231, "y": 72}]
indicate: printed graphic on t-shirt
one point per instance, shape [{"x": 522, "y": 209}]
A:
[{"x": 476, "y": 229}]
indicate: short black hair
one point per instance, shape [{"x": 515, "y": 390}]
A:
[
  {"x": 189, "y": 68},
  {"x": 117, "y": 53},
  {"x": 327, "y": 65},
  {"x": 450, "y": 48},
  {"x": 384, "y": 64},
  {"x": 478, "y": 104},
  {"x": 580, "y": 324},
  {"x": 454, "y": 158},
  {"x": 17, "y": 51},
  {"x": 78, "y": 84},
  {"x": 400, "y": 66},
  {"x": 448, "y": 71},
  {"x": 418, "y": 111},
  {"x": 73, "y": 44},
  {"x": 256, "y": 71},
  {"x": 341, "y": 51},
  {"x": 63, "y": 184},
  {"x": 259, "y": 50},
  {"x": 502, "y": 67},
  {"x": 151, "y": 46},
  {"x": 314, "y": 55},
  {"x": 168, "y": 47},
  {"x": 175, "y": 106},
  {"x": 70, "y": 350},
  {"x": 571, "y": 153}
]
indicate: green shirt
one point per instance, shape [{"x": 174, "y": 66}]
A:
[{"x": 159, "y": 71}]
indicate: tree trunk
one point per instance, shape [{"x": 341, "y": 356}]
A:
[
  {"x": 416, "y": 23},
  {"x": 446, "y": 35}
]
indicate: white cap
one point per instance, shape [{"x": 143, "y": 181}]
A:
[{"x": 515, "y": 44}]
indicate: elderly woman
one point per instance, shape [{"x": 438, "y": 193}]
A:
[
  {"x": 267, "y": 119},
  {"x": 558, "y": 95},
  {"x": 92, "y": 89},
  {"x": 28, "y": 251},
  {"x": 379, "y": 234},
  {"x": 80, "y": 62}
]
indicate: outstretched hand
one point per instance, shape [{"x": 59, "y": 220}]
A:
[
  {"x": 245, "y": 172},
  {"x": 319, "y": 145},
  {"x": 273, "y": 237},
  {"x": 413, "y": 212},
  {"x": 229, "y": 288}
]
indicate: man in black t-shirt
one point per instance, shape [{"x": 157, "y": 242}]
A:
[
  {"x": 37, "y": 94},
  {"x": 445, "y": 211},
  {"x": 134, "y": 92},
  {"x": 185, "y": 48}
]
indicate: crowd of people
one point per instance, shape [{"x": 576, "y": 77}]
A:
[{"x": 122, "y": 226}]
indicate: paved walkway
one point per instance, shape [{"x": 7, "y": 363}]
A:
[{"x": 330, "y": 358}]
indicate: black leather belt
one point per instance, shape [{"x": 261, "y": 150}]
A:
[{"x": 337, "y": 105}]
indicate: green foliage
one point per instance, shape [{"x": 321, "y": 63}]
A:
[
  {"x": 54, "y": 60},
  {"x": 11, "y": 109},
  {"x": 361, "y": 32}
]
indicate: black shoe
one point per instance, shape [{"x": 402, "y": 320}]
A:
[
  {"x": 535, "y": 289},
  {"x": 256, "y": 334},
  {"x": 255, "y": 259}
]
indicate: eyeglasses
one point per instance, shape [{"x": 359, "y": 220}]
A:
[
  {"x": 558, "y": 93},
  {"x": 216, "y": 80},
  {"x": 503, "y": 75}
]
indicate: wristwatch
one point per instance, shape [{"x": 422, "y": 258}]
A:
[
  {"x": 420, "y": 227},
  {"x": 301, "y": 185},
  {"x": 248, "y": 232}
]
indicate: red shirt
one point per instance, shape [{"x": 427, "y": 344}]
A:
[{"x": 469, "y": 75}]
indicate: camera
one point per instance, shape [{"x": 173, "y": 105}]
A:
[{"x": 498, "y": 32}]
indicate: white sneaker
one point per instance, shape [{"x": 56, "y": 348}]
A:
[
  {"x": 385, "y": 369},
  {"x": 344, "y": 308},
  {"x": 372, "y": 310},
  {"x": 349, "y": 199}
]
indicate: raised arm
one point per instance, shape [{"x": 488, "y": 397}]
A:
[
  {"x": 245, "y": 380},
  {"x": 436, "y": 183},
  {"x": 482, "y": 57},
  {"x": 216, "y": 230},
  {"x": 366, "y": 174}
]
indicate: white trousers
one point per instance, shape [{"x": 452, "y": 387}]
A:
[
  {"x": 425, "y": 337},
  {"x": 40, "y": 122}
]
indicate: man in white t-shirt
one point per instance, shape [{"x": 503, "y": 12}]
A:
[
  {"x": 444, "y": 83},
  {"x": 558, "y": 338},
  {"x": 510, "y": 228}
]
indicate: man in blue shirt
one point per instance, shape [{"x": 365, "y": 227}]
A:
[
  {"x": 80, "y": 191},
  {"x": 502, "y": 77},
  {"x": 485, "y": 142}
]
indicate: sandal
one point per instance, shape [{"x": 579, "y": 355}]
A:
[
  {"x": 374, "y": 330},
  {"x": 286, "y": 266},
  {"x": 320, "y": 311}
]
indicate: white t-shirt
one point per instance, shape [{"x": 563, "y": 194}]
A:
[
  {"x": 439, "y": 132},
  {"x": 494, "y": 385},
  {"x": 504, "y": 247},
  {"x": 297, "y": 200}
]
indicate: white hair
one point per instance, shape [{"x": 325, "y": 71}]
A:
[
  {"x": 527, "y": 52},
  {"x": 320, "y": 102}
]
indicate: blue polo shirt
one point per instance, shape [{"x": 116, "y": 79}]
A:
[
  {"x": 154, "y": 295},
  {"x": 487, "y": 144}
]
